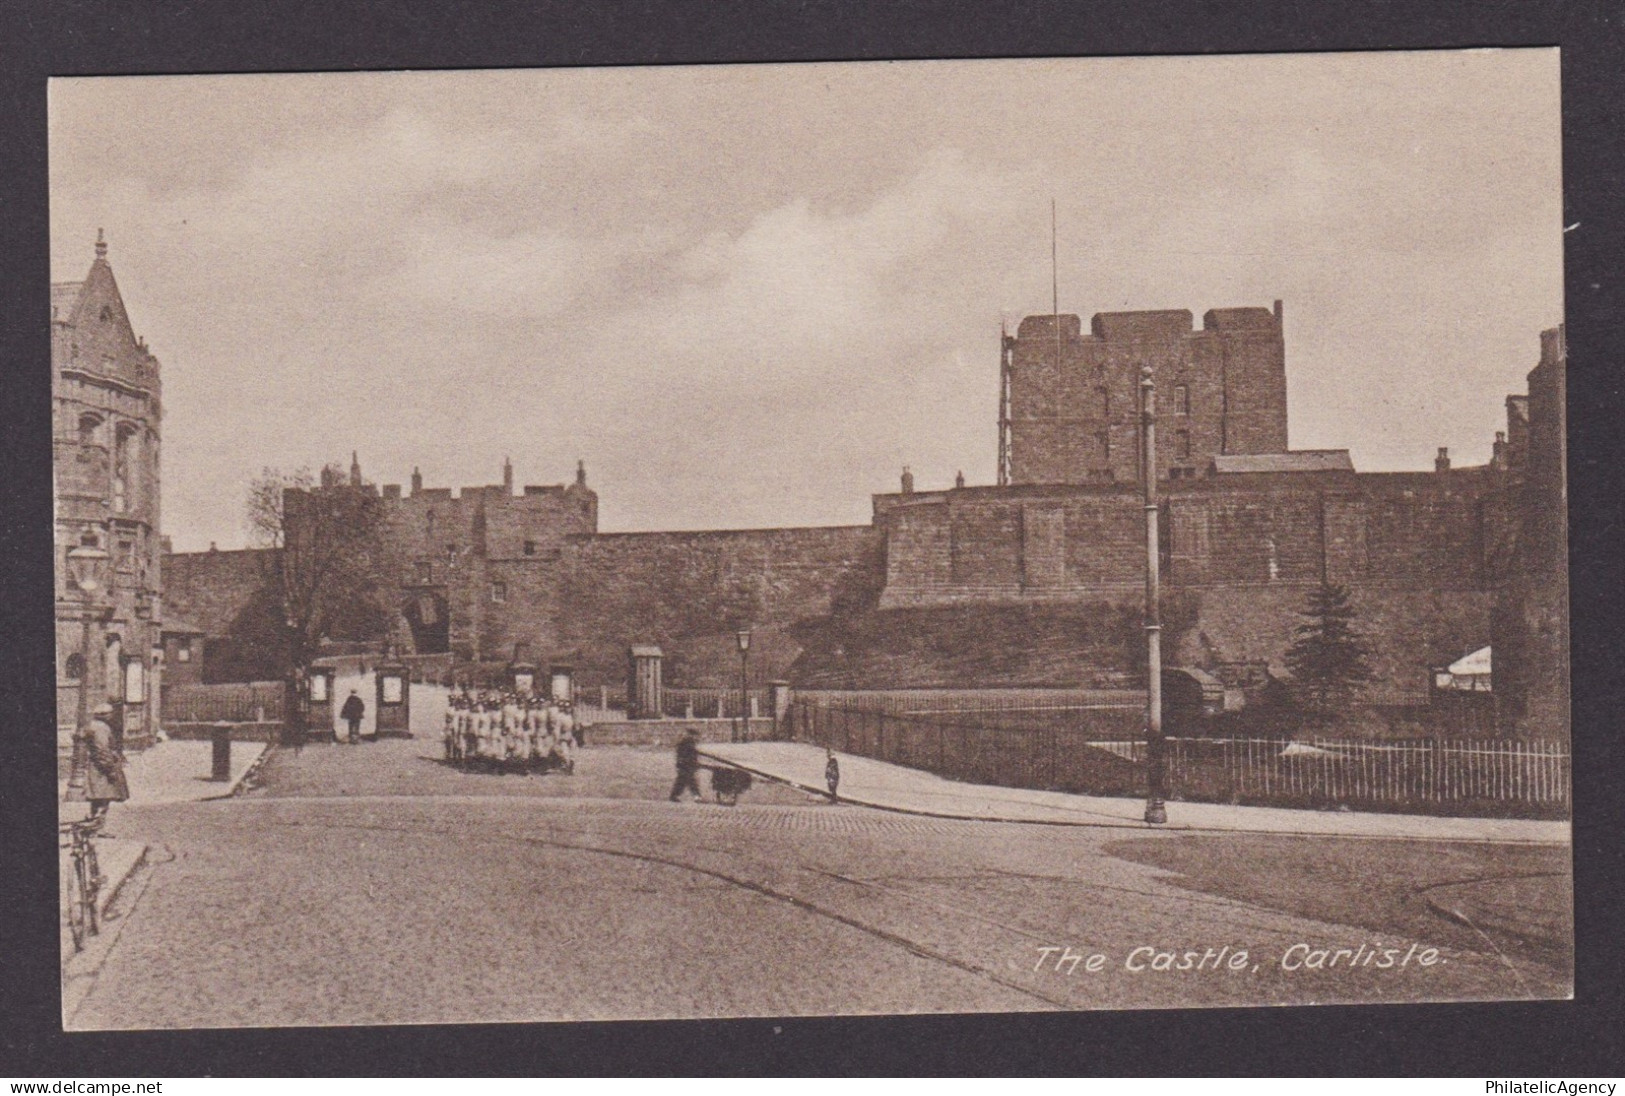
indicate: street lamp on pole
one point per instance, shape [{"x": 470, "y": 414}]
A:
[
  {"x": 743, "y": 637},
  {"x": 1156, "y": 766},
  {"x": 87, "y": 568}
]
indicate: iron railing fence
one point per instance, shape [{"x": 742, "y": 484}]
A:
[
  {"x": 1510, "y": 777},
  {"x": 997, "y": 708}
]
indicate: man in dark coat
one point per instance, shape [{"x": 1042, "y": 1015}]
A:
[
  {"x": 354, "y": 708},
  {"x": 688, "y": 765},
  {"x": 104, "y": 777},
  {"x": 832, "y": 774}
]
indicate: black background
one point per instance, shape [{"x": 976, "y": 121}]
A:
[{"x": 42, "y": 38}]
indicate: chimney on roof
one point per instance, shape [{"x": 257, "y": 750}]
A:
[
  {"x": 1441, "y": 463},
  {"x": 959, "y": 479},
  {"x": 507, "y": 476},
  {"x": 355, "y": 470},
  {"x": 581, "y": 473},
  {"x": 908, "y": 481},
  {"x": 417, "y": 480},
  {"x": 1499, "y": 459},
  {"x": 1277, "y": 310}
]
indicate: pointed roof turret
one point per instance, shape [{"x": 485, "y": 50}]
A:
[
  {"x": 101, "y": 246},
  {"x": 355, "y": 470}
]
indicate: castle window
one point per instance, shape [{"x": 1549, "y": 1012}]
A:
[
  {"x": 88, "y": 425},
  {"x": 1103, "y": 442},
  {"x": 1274, "y": 559},
  {"x": 425, "y": 573},
  {"x": 1182, "y": 441},
  {"x": 135, "y": 681},
  {"x": 530, "y": 547},
  {"x": 183, "y": 650},
  {"x": 75, "y": 669},
  {"x": 1182, "y": 400},
  {"x": 451, "y": 551},
  {"x": 429, "y": 522},
  {"x": 499, "y": 591}
]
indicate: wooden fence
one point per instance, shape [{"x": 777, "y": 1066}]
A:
[
  {"x": 249, "y": 702},
  {"x": 1436, "y": 776}
]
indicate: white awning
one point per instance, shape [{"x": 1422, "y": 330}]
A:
[
  {"x": 1470, "y": 673},
  {"x": 1476, "y": 663}
]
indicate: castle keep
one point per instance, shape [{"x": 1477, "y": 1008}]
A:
[
  {"x": 1070, "y": 409},
  {"x": 1035, "y": 580}
]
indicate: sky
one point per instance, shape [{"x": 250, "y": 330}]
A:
[{"x": 747, "y": 296}]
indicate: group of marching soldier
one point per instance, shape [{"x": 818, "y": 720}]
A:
[{"x": 510, "y": 731}]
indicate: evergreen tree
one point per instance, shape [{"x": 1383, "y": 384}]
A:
[{"x": 1327, "y": 659}]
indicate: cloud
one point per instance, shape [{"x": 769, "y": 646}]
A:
[
  {"x": 748, "y": 295},
  {"x": 801, "y": 283}
]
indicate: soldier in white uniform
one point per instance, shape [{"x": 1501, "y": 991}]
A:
[
  {"x": 535, "y": 733},
  {"x": 564, "y": 735},
  {"x": 465, "y": 727},
  {"x": 482, "y": 730}
]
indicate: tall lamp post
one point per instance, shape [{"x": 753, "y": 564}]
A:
[
  {"x": 1156, "y": 765},
  {"x": 744, "y": 685},
  {"x": 87, "y": 567}
]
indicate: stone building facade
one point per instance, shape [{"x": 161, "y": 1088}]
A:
[
  {"x": 107, "y": 412},
  {"x": 1531, "y": 647}
]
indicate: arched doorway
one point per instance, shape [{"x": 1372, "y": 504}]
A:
[{"x": 426, "y": 614}]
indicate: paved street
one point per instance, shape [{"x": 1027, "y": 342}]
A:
[{"x": 375, "y": 884}]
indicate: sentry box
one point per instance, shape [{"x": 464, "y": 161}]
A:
[{"x": 394, "y": 701}]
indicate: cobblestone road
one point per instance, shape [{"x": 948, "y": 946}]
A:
[{"x": 376, "y": 885}]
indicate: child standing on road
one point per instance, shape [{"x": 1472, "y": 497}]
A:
[{"x": 832, "y": 774}]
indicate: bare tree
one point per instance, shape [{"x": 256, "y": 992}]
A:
[
  {"x": 326, "y": 574},
  {"x": 263, "y": 514}
]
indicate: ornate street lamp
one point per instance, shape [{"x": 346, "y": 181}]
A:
[
  {"x": 744, "y": 684},
  {"x": 87, "y": 568}
]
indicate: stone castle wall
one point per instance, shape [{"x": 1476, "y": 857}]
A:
[{"x": 1038, "y": 582}]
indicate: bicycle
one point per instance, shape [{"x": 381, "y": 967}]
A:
[{"x": 85, "y": 884}]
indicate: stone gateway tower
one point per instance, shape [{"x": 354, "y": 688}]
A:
[{"x": 106, "y": 410}]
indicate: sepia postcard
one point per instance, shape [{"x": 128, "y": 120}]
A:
[{"x": 801, "y": 540}]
